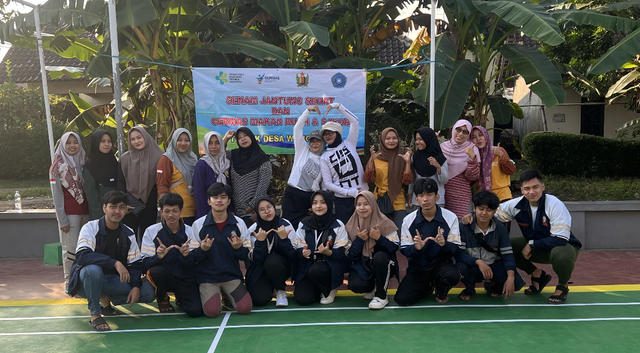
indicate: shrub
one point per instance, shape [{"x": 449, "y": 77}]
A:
[{"x": 564, "y": 154}]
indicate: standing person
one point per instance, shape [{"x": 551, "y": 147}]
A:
[
  {"x": 212, "y": 168},
  {"x": 100, "y": 172},
  {"x": 374, "y": 242},
  {"x": 429, "y": 162},
  {"x": 250, "y": 172},
  {"x": 390, "y": 170},
  {"x": 216, "y": 246},
  {"x": 305, "y": 177},
  {"x": 464, "y": 168},
  {"x": 137, "y": 177},
  {"x": 321, "y": 244},
  {"x": 342, "y": 171},
  {"x": 166, "y": 260},
  {"x": 175, "y": 172},
  {"x": 270, "y": 256},
  {"x": 72, "y": 209},
  {"x": 108, "y": 266},
  {"x": 496, "y": 167}
]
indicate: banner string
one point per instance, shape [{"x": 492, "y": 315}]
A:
[{"x": 191, "y": 67}]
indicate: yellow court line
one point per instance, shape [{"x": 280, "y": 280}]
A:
[{"x": 346, "y": 293}]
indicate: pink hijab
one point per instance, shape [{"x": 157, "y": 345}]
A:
[
  {"x": 456, "y": 158},
  {"x": 487, "y": 159}
]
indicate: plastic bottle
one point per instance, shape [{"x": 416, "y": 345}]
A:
[{"x": 18, "y": 201}]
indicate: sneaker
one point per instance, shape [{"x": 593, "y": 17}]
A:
[
  {"x": 281, "y": 298},
  {"x": 369, "y": 295},
  {"x": 330, "y": 298},
  {"x": 378, "y": 303}
]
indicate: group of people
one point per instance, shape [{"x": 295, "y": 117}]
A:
[{"x": 215, "y": 213}]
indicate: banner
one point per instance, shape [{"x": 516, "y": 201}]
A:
[{"x": 269, "y": 101}]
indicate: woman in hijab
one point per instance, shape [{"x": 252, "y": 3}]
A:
[
  {"x": 175, "y": 172},
  {"x": 496, "y": 167},
  {"x": 100, "y": 172},
  {"x": 137, "y": 176},
  {"x": 464, "y": 168},
  {"x": 321, "y": 243},
  {"x": 270, "y": 256},
  {"x": 212, "y": 168},
  {"x": 374, "y": 242},
  {"x": 429, "y": 162},
  {"x": 390, "y": 170},
  {"x": 250, "y": 172},
  {"x": 72, "y": 209}
]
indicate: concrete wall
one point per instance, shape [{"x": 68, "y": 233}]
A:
[{"x": 23, "y": 235}]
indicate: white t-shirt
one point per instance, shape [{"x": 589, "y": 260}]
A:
[{"x": 306, "y": 174}]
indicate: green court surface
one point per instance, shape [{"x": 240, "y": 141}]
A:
[{"x": 592, "y": 321}]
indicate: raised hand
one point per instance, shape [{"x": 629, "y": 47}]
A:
[
  {"x": 434, "y": 162},
  {"x": 418, "y": 242},
  {"x": 374, "y": 233},
  {"x": 161, "y": 250},
  {"x": 439, "y": 239},
  {"x": 260, "y": 236},
  {"x": 184, "y": 249},
  {"x": 314, "y": 108},
  {"x": 406, "y": 156},
  {"x": 205, "y": 245},
  {"x": 467, "y": 219},
  {"x": 363, "y": 234},
  {"x": 235, "y": 241},
  {"x": 470, "y": 152},
  {"x": 498, "y": 151},
  {"x": 229, "y": 134},
  {"x": 306, "y": 252},
  {"x": 329, "y": 107},
  {"x": 283, "y": 233},
  {"x": 324, "y": 250}
]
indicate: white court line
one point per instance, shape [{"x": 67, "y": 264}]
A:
[
  {"x": 436, "y": 306},
  {"x": 216, "y": 340},
  {"x": 113, "y": 331}
]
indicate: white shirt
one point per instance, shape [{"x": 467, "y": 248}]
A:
[{"x": 306, "y": 174}]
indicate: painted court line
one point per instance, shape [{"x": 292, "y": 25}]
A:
[
  {"x": 222, "y": 327},
  {"x": 216, "y": 340},
  {"x": 84, "y": 317}
]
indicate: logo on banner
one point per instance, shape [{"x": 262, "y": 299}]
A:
[
  {"x": 267, "y": 78},
  {"x": 302, "y": 79},
  {"x": 222, "y": 78},
  {"x": 339, "y": 80}
]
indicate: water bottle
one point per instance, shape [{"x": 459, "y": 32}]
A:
[{"x": 17, "y": 201}]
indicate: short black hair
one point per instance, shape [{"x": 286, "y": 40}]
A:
[
  {"x": 427, "y": 185},
  {"x": 115, "y": 197},
  {"x": 171, "y": 199},
  {"x": 530, "y": 174},
  {"x": 486, "y": 198},
  {"x": 218, "y": 188}
]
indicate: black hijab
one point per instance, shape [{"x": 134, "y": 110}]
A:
[
  {"x": 102, "y": 166},
  {"x": 325, "y": 221},
  {"x": 337, "y": 141},
  {"x": 420, "y": 161},
  {"x": 246, "y": 160},
  {"x": 264, "y": 224}
]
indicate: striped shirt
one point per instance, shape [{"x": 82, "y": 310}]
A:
[{"x": 249, "y": 187}]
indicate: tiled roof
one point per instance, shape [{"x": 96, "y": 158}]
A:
[
  {"x": 25, "y": 65},
  {"x": 391, "y": 50}
]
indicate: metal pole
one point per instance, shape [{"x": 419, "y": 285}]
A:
[
  {"x": 115, "y": 67},
  {"x": 432, "y": 67}
]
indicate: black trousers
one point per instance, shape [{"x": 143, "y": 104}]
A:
[
  {"x": 345, "y": 208},
  {"x": 382, "y": 267},
  {"x": 295, "y": 205},
  {"x": 316, "y": 282},
  {"x": 186, "y": 292},
  {"x": 472, "y": 275},
  {"x": 277, "y": 270},
  {"x": 417, "y": 285},
  {"x": 145, "y": 218}
]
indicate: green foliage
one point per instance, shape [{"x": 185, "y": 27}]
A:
[
  {"x": 592, "y": 189},
  {"x": 20, "y": 107},
  {"x": 563, "y": 154}
]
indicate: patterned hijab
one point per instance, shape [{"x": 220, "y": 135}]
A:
[
  {"x": 395, "y": 161},
  {"x": 139, "y": 166},
  {"x": 184, "y": 161},
  {"x": 218, "y": 163},
  {"x": 68, "y": 168},
  {"x": 455, "y": 151},
  {"x": 420, "y": 158},
  {"x": 385, "y": 225},
  {"x": 487, "y": 158}
]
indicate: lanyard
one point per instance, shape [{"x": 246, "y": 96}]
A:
[{"x": 270, "y": 244}]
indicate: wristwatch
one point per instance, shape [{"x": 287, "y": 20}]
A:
[{"x": 531, "y": 244}]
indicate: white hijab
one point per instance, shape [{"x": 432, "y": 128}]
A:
[{"x": 219, "y": 163}]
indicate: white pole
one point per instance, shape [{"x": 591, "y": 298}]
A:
[
  {"x": 432, "y": 67},
  {"x": 115, "y": 68}
]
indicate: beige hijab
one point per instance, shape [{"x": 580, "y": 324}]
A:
[
  {"x": 139, "y": 166},
  {"x": 385, "y": 225}
]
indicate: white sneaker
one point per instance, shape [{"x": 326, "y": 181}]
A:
[
  {"x": 377, "y": 303},
  {"x": 369, "y": 295},
  {"x": 330, "y": 298},
  {"x": 281, "y": 298}
]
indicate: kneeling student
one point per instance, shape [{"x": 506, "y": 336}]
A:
[
  {"x": 108, "y": 266},
  {"x": 487, "y": 243},
  {"x": 217, "y": 247},
  {"x": 430, "y": 238},
  {"x": 166, "y": 260}
]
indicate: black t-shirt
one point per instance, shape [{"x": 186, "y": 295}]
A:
[{"x": 111, "y": 249}]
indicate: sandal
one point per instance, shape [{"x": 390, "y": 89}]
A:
[
  {"x": 559, "y": 298},
  {"x": 542, "y": 281},
  {"x": 165, "y": 307},
  {"x": 465, "y": 297},
  {"x": 110, "y": 311},
  {"x": 444, "y": 300},
  {"x": 99, "y": 321}
]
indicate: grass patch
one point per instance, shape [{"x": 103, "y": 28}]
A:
[
  {"x": 27, "y": 188},
  {"x": 593, "y": 189}
]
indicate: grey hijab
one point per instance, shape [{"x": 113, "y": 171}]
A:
[{"x": 186, "y": 161}]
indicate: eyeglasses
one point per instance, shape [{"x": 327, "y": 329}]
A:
[
  {"x": 328, "y": 132},
  {"x": 464, "y": 132}
]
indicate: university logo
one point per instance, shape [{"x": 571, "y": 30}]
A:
[
  {"x": 222, "y": 78},
  {"x": 302, "y": 79},
  {"x": 339, "y": 80}
]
